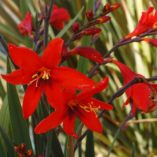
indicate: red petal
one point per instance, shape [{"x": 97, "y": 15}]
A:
[
  {"x": 52, "y": 121},
  {"x": 145, "y": 23},
  {"x": 89, "y": 53},
  {"x": 71, "y": 78},
  {"x": 24, "y": 57},
  {"x": 69, "y": 124},
  {"x": 31, "y": 99},
  {"x": 140, "y": 96},
  {"x": 90, "y": 120},
  {"x": 58, "y": 17},
  {"x": 100, "y": 104},
  {"x": 93, "y": 89},
  {"x": 17, "y": 77},
  {"x": 25, "y": 27},
  {"x": 54, "y": 92},
  {"x": 52, "y": 53},
  {"x": 127, "y": 73}
]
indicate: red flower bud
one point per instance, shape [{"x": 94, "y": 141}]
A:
[
  {"x": 91, "y": 31},
  {"x": 89, "y": 15},
  {"x": 109, "y": 8},
  {"x": 75, "y": 27},
  {"x": 29, "y": 153},
  {"x": 115, "y": 6},
  {"x": 65, "y": 52},
  {"x": 103, "y": 19}
]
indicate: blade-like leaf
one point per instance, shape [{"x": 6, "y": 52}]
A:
[
  {"x": 8, "y": 144},
  {"x": 90, "y": 145},
  {"x": 19, "y": 126}
]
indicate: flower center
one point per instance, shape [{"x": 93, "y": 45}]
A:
[
  {"x": 86, "y": 107},
  {"x": 42, "y": 74},
  {"x": 90, "y": 107}
]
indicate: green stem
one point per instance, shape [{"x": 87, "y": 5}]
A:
[{"x": 70, "y": 147}]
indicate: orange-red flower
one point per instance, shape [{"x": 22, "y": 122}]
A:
[
  {"x": 58, "y": 17},
  {"x": 25, "y": 26},
  {"x": 147, "y": 22},
  {"x": 42, "y": 74},
  {"x": 82, "y": 106},
  {"x": 142, "y": 96}
]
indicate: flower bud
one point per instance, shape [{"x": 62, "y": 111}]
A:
[
  {"x": 91, "y": 31},
  {"x": 75, "y": 27},
  {"x": 89, "y": 15},
  {"x": 102, "y": 19}
]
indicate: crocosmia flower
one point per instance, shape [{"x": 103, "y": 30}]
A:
[
  {"x": 25, "y": 26},
  {"x": 58, "y": 17},
  {"x": 142, "y": 96},
  {"x": 42, "y": 74},
  {"x": 147, "y": 22},
  {"x": 81, "y": 105}
]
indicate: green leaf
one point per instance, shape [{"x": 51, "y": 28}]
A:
[
  {"x": 19, "y": 126},
  {"x": 4, "y": 116},
  {"x": 90, "y": 145},
  {"x": 133, "y": 150},
  {"x": 56, "y": 147},
  {"x": 61, "y": 33},
  {"x": 2, "y": 91},
  {"x": 8, "y": 144}
]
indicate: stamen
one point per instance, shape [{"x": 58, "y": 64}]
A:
[
  {"x": 43, "y": 74},
  {"x": 90, "y": 107}
]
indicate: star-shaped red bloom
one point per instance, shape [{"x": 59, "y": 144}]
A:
[
  {"x": 147, "y": 22},
  {"x": 58, "y": 17},
  {"x": 42, "y": 74},
  {"x": 82, "y": 106},
  {"x": 143, "y": 96},
  {"x": 25, "y": 26}
]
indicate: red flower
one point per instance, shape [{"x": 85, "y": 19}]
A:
[
  {"x": 143, "y": 96},
  {"x": 80, "y": 105},
  {"x": 58, "y": 17},
  {"x": 25, "y": 26},
  {"x": 86, "y": 52},
  {"x": 147, "y": 22},
  {"x": 42, "y": 74}
]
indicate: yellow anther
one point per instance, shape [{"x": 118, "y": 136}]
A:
[
  {"x": 90, "y": 107},
  {"x": 42, "y": 73}
]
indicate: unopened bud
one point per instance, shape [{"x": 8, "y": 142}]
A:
[
  {"x": 115, "y": 6},
  {"x": 29, "y": 153},
  {"x": 89, "y": 15},
  {"x": 75, "y": 27},
  {"x": 109, "y": 8},
  {"x": 91, "y": 31},
  {"x": 102, "y": 19},
  {"x": 22, "y": 147}
]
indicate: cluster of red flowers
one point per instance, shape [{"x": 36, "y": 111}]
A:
[
  {"x": 68, "y": 91},
  {"x": 58, "y": 17},
  {"x": 60, "y": 84}
]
